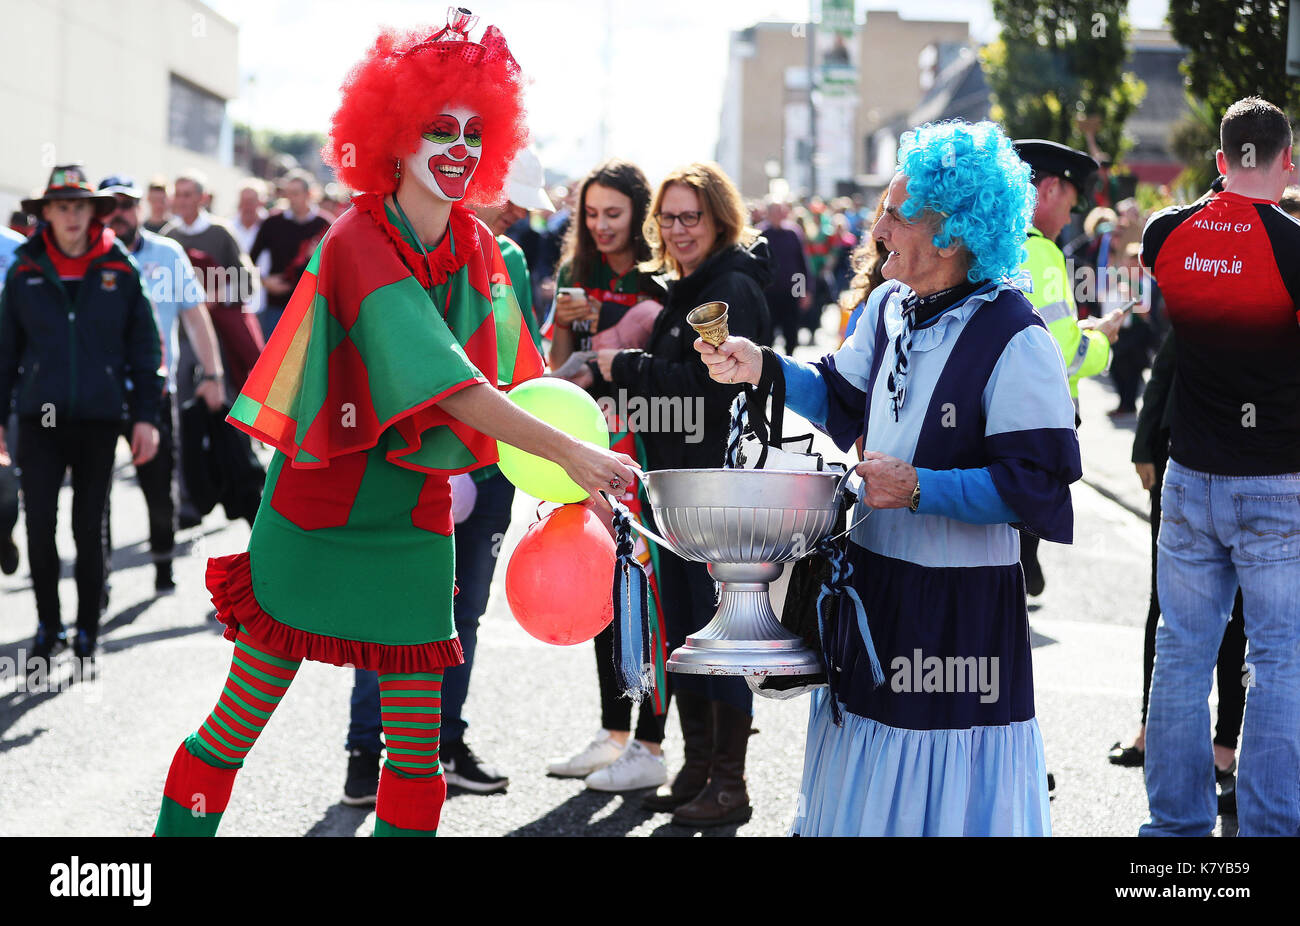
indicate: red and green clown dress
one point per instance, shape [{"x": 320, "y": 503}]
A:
[{"x": 351, "y": 558}]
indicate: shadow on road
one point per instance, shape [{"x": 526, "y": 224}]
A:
[
  {"x": 1037, "y": 639},
  {"x": 340, "y": 820},
  {"x": 574, "y": 816}
]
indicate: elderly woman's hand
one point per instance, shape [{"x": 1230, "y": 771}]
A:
[
  {"x": 735, "y": 360},
  {"x": 887, "y": 482}
]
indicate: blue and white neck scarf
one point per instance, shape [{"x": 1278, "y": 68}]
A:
[
  {"x": 919, "y": 310},
  {"x": 902, "y": 348}
]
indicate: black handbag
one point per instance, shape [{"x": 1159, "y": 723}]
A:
[{"x": 763, "y": 445}]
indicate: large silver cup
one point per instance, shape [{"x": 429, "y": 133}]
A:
[{"x": 745, "y": 523}]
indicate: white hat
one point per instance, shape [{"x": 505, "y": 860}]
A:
[{"x": 527, "y": 181}]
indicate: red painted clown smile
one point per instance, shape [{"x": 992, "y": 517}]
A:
[{"x": 452, "y": 175}]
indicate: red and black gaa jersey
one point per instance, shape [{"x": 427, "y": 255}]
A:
[{"x": 1229, "y": 270}]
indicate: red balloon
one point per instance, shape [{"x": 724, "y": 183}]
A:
[{"x": 559, "y": 581}]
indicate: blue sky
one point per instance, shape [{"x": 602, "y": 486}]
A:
[{"x": 665, "y": 59}]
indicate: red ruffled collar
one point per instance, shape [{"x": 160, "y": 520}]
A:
[{"x": 442, "y": 260}]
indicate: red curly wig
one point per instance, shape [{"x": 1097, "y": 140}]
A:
[{"x": 405, "y": 81}]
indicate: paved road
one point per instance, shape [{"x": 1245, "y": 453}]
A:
[{"x": 91, "y": 759}]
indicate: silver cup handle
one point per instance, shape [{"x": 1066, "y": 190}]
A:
[
  {"x": 857, "y": 493},
  {"x": 642, "y": 529}
]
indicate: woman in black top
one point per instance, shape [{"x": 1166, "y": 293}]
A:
[{"x": 698, "y": 232}]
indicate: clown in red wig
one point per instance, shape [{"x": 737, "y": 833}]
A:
[{"x": 383, "y": 378}]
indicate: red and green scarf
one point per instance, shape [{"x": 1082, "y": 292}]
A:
[{"x": 361, "y": 357}]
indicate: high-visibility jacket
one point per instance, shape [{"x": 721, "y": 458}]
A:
[{"x": 1086, "y": 353}]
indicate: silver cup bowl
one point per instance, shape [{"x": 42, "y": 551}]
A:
[{"x": 745, "y": 524}]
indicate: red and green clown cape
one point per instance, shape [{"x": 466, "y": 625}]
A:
[{"x": 351, "y": 559}]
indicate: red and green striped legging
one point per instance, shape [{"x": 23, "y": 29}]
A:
[{"x": 411, "y": 786}]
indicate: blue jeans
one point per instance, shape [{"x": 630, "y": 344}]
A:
[
  {"x": 478, "y": 544},
  {"x": 1217, "y": 532},
  {"x": 268, "y": 318}
]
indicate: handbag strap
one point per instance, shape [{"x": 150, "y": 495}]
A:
[{"x": 771, "y": 382}]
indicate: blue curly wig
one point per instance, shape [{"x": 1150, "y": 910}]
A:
[{"x": 972, "y": 177}]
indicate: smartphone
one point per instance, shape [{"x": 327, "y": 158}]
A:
[{"x": 573, "y": 292}]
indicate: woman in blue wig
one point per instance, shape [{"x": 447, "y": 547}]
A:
[{"x": 927, "y": 726}]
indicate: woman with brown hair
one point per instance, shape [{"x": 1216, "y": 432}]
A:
[
  {"x": 603, "y": 250},
  {"x": 699, "y": 238},
  {"x": 615, "y": 303}
]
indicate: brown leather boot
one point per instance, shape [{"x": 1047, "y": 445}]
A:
[
  {"x": 725, "y": 799},
  {"x": 696, "y": 715}
]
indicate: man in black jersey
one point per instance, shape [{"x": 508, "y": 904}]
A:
[{"x": 1229, "y": 268}]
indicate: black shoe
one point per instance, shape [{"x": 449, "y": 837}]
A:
[
  {"x": 1226, "y": 778},
  {"x": 362, "y": 786},
  {"x": 83, "y": 647},
  {"x": 163, "y": 583},
  {"x": 85, "y": 651},
  {"x": 45, "y": 645},
  {"x": 1127, "y": 756},
  {"x": 1051, "y": 785},
  {"x": 462, "y": 768},
  {"x": 8, "y": 555}
]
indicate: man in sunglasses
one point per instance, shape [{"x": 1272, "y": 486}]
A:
[
  {"x": 170, "y": 283},
  {"x": 1061, "y": 177}
]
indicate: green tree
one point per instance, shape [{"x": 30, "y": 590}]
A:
[
  {"x": 1235, "y": 49},
  {"x": 1058, "y": 62}
]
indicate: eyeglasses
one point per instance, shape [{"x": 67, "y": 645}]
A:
[
  {"x": 688, "y": 219},
  {"x": 124, "y": 203}
]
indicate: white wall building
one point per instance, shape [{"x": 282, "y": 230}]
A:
[{"x": 128, "y": 86}]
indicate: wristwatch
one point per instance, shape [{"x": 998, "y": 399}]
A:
[{"x": 916, "y": 496}]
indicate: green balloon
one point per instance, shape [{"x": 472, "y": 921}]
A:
[{"x": 566, "y": 407}]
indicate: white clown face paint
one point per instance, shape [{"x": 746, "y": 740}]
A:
[{"x": 448, "y": 153}]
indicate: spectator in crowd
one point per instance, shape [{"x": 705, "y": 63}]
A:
[
  {"x": 1228, "y": 508},
  {"x": 1091, "y": 254},
  {"x": 866, "y": 261},
  {"x": 815, "y": 222},
  {"x": 792, "y": 285},
  {"x": 22, "y": 224},
  {"x": 249, "y": 216},
  {"x": 250, "y": 213},
  {"x": 290, "y": 238},
  {"x": 74, "y": 317},
  {"x": 699, "y": 238},
  {"x": 228, "y": 278},
  {"x": 172, "y": 288},
  {"x": 9, "y": 242},
  {"x": 1060, "y": 176},
  {"x": 476, "y": 535},
  {"x": 1290, "y": 201},
  {"x": 1150, "y": 458},
  {"x": 159, "y": 199},
  {"x": 842, "y": 243},
  {"x": 1136, "y": 340},
  {"x": 603, "y": 256}
]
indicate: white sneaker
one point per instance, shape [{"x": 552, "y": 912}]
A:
[
  {"x": 635, "y": 769},
  {"x": 600, "y": 752}
]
